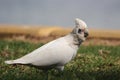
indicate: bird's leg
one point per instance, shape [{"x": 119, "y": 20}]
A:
[
  {"x": 47, "y": 74},
  {"x": 60, "y": 68}
]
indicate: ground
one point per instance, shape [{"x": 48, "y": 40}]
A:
[
  {"x": 93, "y": 62},
  {"x": 98, "y": 57}
]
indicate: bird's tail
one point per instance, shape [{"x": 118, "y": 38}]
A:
[
  {"x": 10, "y": 62},
  {"x": 17, "y": 61}
]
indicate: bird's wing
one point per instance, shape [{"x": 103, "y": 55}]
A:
[{"x": 51, "y": 53}]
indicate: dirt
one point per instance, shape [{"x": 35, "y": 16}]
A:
[{"x": 34, "y": 39}]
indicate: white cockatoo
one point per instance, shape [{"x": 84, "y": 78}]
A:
[{"x": 56, "y": 53}]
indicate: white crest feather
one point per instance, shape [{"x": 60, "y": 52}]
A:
[{"x": 80, "y": 23}]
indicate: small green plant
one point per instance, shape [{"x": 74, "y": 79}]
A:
[{"x": 89, "y": 64}]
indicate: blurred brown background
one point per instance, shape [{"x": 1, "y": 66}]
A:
[{"x": 47, "y": 33}]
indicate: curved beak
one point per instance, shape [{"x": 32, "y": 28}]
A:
[{"x": 86, "y": 33}]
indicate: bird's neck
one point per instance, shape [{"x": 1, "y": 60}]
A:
[{"x": 73, "y": 38}]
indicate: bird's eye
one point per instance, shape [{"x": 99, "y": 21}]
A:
[{"x": 79, "y": 30}]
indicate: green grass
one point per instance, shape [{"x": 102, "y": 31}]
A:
[{"x": 88, "y": 64}]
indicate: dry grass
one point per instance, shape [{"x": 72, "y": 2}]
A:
[
  {"x": 53, "y": 30},
  {"x": 48, "y": 33},
  {"x": 40, "y": 31},
  {"x": 105, "y": 34}
]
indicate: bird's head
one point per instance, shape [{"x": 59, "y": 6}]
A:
[{"x": 80, "y": 30}]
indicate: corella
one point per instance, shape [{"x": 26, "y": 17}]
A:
[{"x": 56, "y": 53}]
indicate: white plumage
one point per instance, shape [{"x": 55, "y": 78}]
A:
[{"x": 56, "y": 53}]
